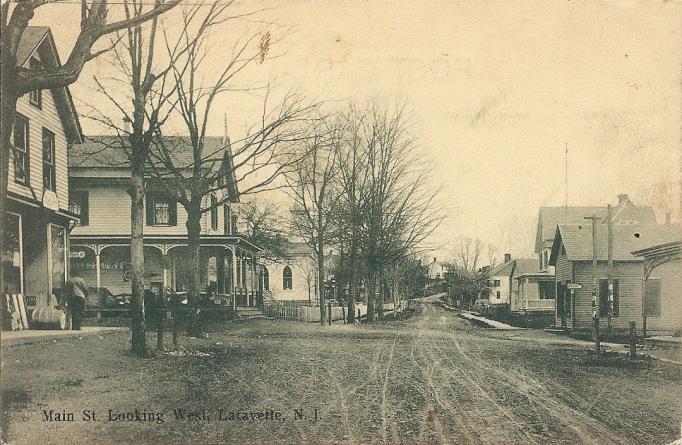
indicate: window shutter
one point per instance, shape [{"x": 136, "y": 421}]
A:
[
  {"x": 150, "y": 209},
  {"x": 616, "y": 298},
  {"x": 85, "y": 208},
  {"x": 603, "y": 298},
  {"x": 226, "y": 220},
  {"x": 652, "y": 297},
  {"x": 173, "y": 212}
]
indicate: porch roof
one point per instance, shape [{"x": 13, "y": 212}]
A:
[
  {"x": 540, "y": 275},
  {"x": 205, "y": 240}
]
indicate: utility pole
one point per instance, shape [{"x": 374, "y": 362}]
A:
[
  {"x": 595, "y": 301},
  {"x": 609, "y": 226}
]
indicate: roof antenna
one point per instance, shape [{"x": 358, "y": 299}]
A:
[{"x": 566, "y": 185}]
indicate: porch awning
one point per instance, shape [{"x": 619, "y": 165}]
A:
[{"x": 206, "y": 240}]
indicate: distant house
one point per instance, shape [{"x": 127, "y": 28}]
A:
[
  {"x": 502, "y": 280},
  {"x": 293, "y": 276},
  {"x": 37, "y": 219},
  {"x": 571, "y": 255},
  {"x": 436, "y": 269},
  {"x": 662, "y": 287}
]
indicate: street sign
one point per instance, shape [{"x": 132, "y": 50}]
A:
[{"x": 574, "y": 286}]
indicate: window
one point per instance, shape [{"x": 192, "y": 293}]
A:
[
  {"x": 79, "y": 204},
  {"x": 35, "y": 97},
  {"x": 496, "y": 283},
  {"x": 57, "y": 260},
  {"x": 266, "y": 278},
  {"x": 604, "y": 298},
  {"x": 161, "y": 210},
  {"x": 287, "y": 281},
  {"x": 497, "y": 295},
  {"x": 226, "y": 219},
  {"x": 49, "y": 168},
  {"x": 544, "y": 259},
  {"x": 546, "y": 290},
  {"x": 22, "y": 162},
  {"x": 12, "y": 257},
  {"x": 652, "y": 297},
  {"x": 214, "y": 212}
]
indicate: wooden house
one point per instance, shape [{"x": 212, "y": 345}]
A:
[
  {"x": 662, "y": 311},
  {"x": 38, "y": 220},
  {"x": 100, "y": 248},
  {"x": 571, "y": 256}
]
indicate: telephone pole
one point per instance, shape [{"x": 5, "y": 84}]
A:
[
  {"x": 595, "y": 301},
  {"x": 610, "y": 272}
]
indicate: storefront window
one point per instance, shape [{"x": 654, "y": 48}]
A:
[
  {"x": 57, "y": 257},
  {"x": 12, "y": 254}
]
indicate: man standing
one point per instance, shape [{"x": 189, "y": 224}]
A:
[{"x": 76, "y": 294}]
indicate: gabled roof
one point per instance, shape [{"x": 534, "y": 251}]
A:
[
  {"x": 550, "y": 217},
  {"x": 525, "y": 266},
  {"x": 502, "y": 270},
  {"x": 39, "y": 39},
  {"x": 577, "y": 240}
]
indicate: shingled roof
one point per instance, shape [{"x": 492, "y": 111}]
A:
[
  {"x": 577, "y": 240},
  {"x": 550, "y": 217},
  {"x": 112, "y": 151}
]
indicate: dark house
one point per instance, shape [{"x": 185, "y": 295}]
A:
[{"x": 571, "y": 255}]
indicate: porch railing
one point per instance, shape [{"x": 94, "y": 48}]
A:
[{"x": 538, "y": 305}]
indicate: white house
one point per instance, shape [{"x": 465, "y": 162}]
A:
[{"x": 292, "y": 277}]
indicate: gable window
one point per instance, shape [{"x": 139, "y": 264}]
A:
[
  {"x": 652, "y": 297},
  {"x": 604, "y": 298},
  {"x": 35, "y": 97},
  {"x": 49, "y": 167},
  {"x": 79, "y": 204},
  {"x": 496, "y": 283},
  {"x": 161, "y": 210},
  {"x": 287, "y": 279},
  {"x": 21, "y": 150},
  {"x": 214, "y": 212},
  {"x": 544, "y": 259}
]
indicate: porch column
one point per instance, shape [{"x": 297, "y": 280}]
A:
[
  {"x": 98, "y": 273},
  {"x": 234, "y": 277},
  {"x": 247, "y": 279}
]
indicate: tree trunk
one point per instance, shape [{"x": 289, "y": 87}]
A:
[
  {"x": 193, "y": 235},
  {"x": 8, "y": 106},
  {"x": 353, "y": 286},
  {"x": 137, "y": 193},
  {"x": 320, "y": 279},
  {"x": 382, "y": 295}
]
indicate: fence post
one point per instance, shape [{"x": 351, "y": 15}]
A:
[
  {"x": 358, "y": 316},
  {"x": 633, "y": 341},
  {"x": 329, "y": 305}
]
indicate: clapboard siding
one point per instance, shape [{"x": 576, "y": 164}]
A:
[
  {"x": 629, "y": 275},
  {"x": 39, "y": 118},
  {"x": 109, "y": 211},
  {"x": 670, "y": 319}
]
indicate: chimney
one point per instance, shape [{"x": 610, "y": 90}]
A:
[
  {"x": 434, "y": 259},
  {"x": 623, "y": 198},
  {"x": 667, "y": 218},
  {"x": 507, "y": 257},
  {"x": 126, "y": 124}
]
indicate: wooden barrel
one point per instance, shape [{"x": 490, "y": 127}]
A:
[{"x": 47, "y": 317}]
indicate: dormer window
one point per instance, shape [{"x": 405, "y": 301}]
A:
[{"x": 35, "y": 97}]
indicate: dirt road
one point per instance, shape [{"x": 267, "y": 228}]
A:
[{"x": 432, "y": 378}]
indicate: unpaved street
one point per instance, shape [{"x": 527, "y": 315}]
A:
[{"x": 431, "y": 378}]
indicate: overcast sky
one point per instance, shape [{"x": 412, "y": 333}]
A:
[{"x": 496, "y": 90}]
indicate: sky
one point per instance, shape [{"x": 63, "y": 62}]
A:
[{"x": 497, "y": 92}]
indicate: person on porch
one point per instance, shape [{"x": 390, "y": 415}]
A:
[{"x": 76, "y": 293}]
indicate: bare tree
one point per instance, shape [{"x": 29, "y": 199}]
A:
[
  {"x": 263, "y": 227},
  {"x": 467, "y": 253},
  {"x": 17, "y": 81},
  {"x": 253, "y": 163},
  {"x": 311, "y": 187},
  {"x": 399, "y": 211}
]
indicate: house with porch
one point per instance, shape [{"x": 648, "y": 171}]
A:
[
  {"x": 662, "y": 299},
  {"x": 571, "y": 256},
  {"x": 38, "y": 220},
  {"x": 100, "y": 248}
]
